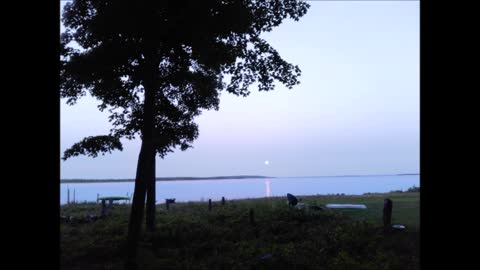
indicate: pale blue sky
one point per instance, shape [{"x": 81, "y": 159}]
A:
[{"x": 356, "y": 110}]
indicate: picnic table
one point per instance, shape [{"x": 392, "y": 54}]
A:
[{"x": 110, "y": 200}]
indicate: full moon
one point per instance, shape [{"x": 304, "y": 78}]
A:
[{"x": 267, "y": 162}]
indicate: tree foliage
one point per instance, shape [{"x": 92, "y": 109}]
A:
[
  {"x": 91, "y": 146},
  {"x": 187, "y": 51}
]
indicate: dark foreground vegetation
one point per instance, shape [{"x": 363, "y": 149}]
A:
[{"x": 250, "y": 234}]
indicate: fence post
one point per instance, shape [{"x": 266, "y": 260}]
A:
[
  {"x": 223, "y": 200},
  {"x": 104, "y": 208},
  {"x": 73, "y": 196},
  {"x": 387, "y": 214},
  {"x": 209, "y": 204},
  {"x": 68, "y": 196}
]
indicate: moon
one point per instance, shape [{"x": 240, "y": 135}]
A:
[{"x": 267, "y": 162}]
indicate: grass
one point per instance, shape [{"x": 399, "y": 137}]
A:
[{"x": 188, "y": 236}]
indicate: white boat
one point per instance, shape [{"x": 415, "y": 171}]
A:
[{"x": 354, "y": 206}]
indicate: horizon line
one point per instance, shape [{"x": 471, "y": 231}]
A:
[{"x": 242, "y": 176}]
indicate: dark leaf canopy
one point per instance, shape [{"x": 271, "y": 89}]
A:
[
  {"x": 181, "y": 49},
  {"x": 92, "y": 146}
]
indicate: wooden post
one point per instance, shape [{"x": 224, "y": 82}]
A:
[
  {"x": 110, "y": 205},
  {"x": 104, "y": 208},
  {"x": 74, "y": 196},
  {"x": 387, "y": 214},
  {"x": 68, "y": 196},
  {"x": 209, "y": 204},
  {"x": 98, "y": 195},
  {"x": 223, "y": 200}
]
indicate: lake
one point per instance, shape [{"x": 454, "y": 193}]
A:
[{"x": 202, "y": 190}]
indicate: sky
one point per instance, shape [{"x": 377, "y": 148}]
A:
[{"x": 355, "y": 112}]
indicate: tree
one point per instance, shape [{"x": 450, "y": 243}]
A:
[{"x": 155, "y": 65}]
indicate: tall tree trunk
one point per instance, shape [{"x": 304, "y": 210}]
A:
[
  {"x": 136, "y": 213},
  {"x": 145, "y": 167},
  {"x": 151, "y": 88},
  {"x": 150, "y": 213}
]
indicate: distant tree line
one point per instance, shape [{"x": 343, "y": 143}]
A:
[{"x": 411, "y": 189}]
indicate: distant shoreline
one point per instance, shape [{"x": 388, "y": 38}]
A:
[
  {"x": 73, "y": 181},
  {"x": 164, "y": 179}
]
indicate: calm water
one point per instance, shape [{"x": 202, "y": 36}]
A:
[{"x": 199, "y": 190}]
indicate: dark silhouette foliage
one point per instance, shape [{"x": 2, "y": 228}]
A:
[
  {"x": 91, "y": 146},
  {"x": 184, "y": 48}
]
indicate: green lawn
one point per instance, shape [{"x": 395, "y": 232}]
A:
[
  {"x": 406, "y": 207},
  {"x": 188, "y": 236}
]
